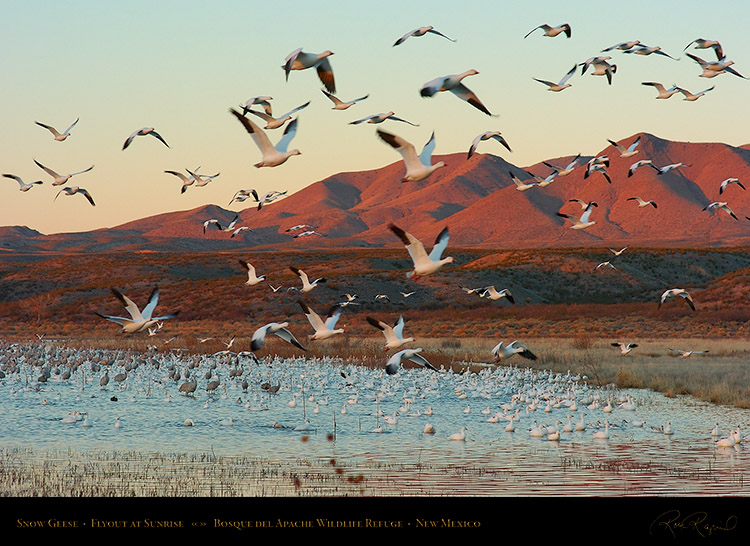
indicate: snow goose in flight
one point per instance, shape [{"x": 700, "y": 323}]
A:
[
  {"x": 300, "y": 60},
  {"x": 308, "y": 233},
  {"x": 720, "y": 205},
  {"x": 551, "y": 31},
  {"x": 241, "y": 195},
  {"x": 394, "y": 363},
  {"x": 501, "y": 351},
  {"x": 711, "y": 69},
  {"x": 562, "y": 84},
  {"x": 394, "y": 337},
  {"x": 262, "y": 101},
  {"x": 299, "y": 226},
  {"x": 217, "y": 223},
  {"x": 58, "y": 136},
  {"x": 491, "y": 293},
  {"x": 240, "y": 230},
  {"x": 630, "y": 151},
  {"x": 728, "y": 181},
  {"x": 601, "y": 67},
  {"x": 522, "y": 186},
  {"x": 701, "y": 43},
  {"x": 597, "y": 167},
  {"x": 380, "y": 118},
  {"x": 272, "y": 156},
  {"x": 625, "y": 348},
  {"x": 199, "y": 180},
  {"x": 323, "y": 329},
  {"x": 641, "y": 202},
  {"x": 418, "y": 167},
  {"x": 72, "y": 190},
  {"x": 23, "y": 186},
  {"x": 453, "y": 84},
  {"x": 143, "y": 132},
  {"x": 618, "y": 252},
  {"x": 584, "y": 204},
  {"x": 269, "y": 197},
  {"x": 252, "y": 278},
  {"x": 138, "y": 321},
  {"x": 186, "y": 180},
  {"x": 275, "y": 123},
  {"x": 496, "y": 135},
  {"x": 421, "y": 31},
  {"x": 674, "y": 292},
  {"x": 622, "y": 46},
  {"x": 642, "y": 49},
  {"x": 338, "y": 104},
  {"x": 604, "y": 264},
  {"x": 306, "y": 284},
  {"x": 583, "y": 222},
  {"x": 663, "y": 92},
  {"x": 276, "y": 328},
  {"x": 670, "y": 167},
  {"x": 693, "y": 97},
  {"x": 60, "y": 179},
  {"x": 563, "y": 171},
  {"x": 686, "y": 354},
  {"x": 424, "y": 264},
  {"x": 641, "y": 163}
]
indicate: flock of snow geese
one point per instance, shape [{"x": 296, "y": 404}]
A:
[{"x": 417, "y": 167}]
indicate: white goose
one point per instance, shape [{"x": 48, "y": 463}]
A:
[
  {"x": 421, "y": 31},
  {"x": 691, "y": 97},
  {"x": 630, "y": 151},
  {"x": 262, "y": 101},
  {"x": 728, "y": 181},
  {"x": 138, "y": 321},
  {"x": 323, "y": 329},
  {"x": 641, "y": 202},
  {"x": 583, "y": 222},
  {"x": 143, "y": 132},
  {"x": 641, "y": 163},
  {"x": 720, "y": 205},
  {"x": 60, "y": 179},
  {"x": 424, "y": 264},
  {"x": 394, "y": 335},
  {"x": 58, "y": 136},
  {"x": 252, "y": 278},
  {"x": 275, "y": 123},
  {"x": 306, "y": 284},
  {"x": 702, "y": 43},
  {"x": 273, "y": 156},
  {"x": 72, "y": 190},
  {"x": 380, "y": 118},
  {"x": 496, "y": 135},
  {"x": 502, "y": 351},
  {"x": 625, "y": 348},
  {"x": 338, "y": 104},
  {"x": 393, "y": 364},
  {"x": 551, "y": 31},
  {"x": 453, "y": 84},
  {"x": 601, "y": 67},
  {"x": 458, "y": 436},
  {"x": 300, "y": 60},
  {"x": 602, "y": 434},
  {"x": 492, "y": 293},
  {"x": 418, "y": 167},
  {"x": 664, "y": 93},
  {"x": 674, "y": 292},
  {"x": 520, "y": 185},
  {"x": 562, "y": 84},
  {"x": 275, "y": 328},
  {"x": 563, "y": 171},
  {"x": 23, "y": 186},
  {"x": 686, "y": 354}
]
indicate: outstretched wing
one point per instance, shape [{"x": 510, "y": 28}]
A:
[{"x": 441, "y": 242}]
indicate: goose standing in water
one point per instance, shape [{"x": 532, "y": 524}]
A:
[
  {"x": 453, "y": 84},
  {"x": 459, "y": 436},
  {"x": 424, "y": 264},
  {"x": 418, "y": 167},
  {"x": 272, "y": 156}
]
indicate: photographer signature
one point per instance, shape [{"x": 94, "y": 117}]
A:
[{"x": 672, "y": 521}]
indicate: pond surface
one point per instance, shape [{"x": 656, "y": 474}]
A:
[{"x": 326, "y": 409}]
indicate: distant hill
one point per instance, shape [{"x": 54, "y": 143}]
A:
[{"x": 475, "y": 198}]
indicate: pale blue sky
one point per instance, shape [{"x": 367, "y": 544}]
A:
[{"x": 179, "y": 66}]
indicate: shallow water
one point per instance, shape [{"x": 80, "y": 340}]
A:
[{"x": 632, "y": 461}]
